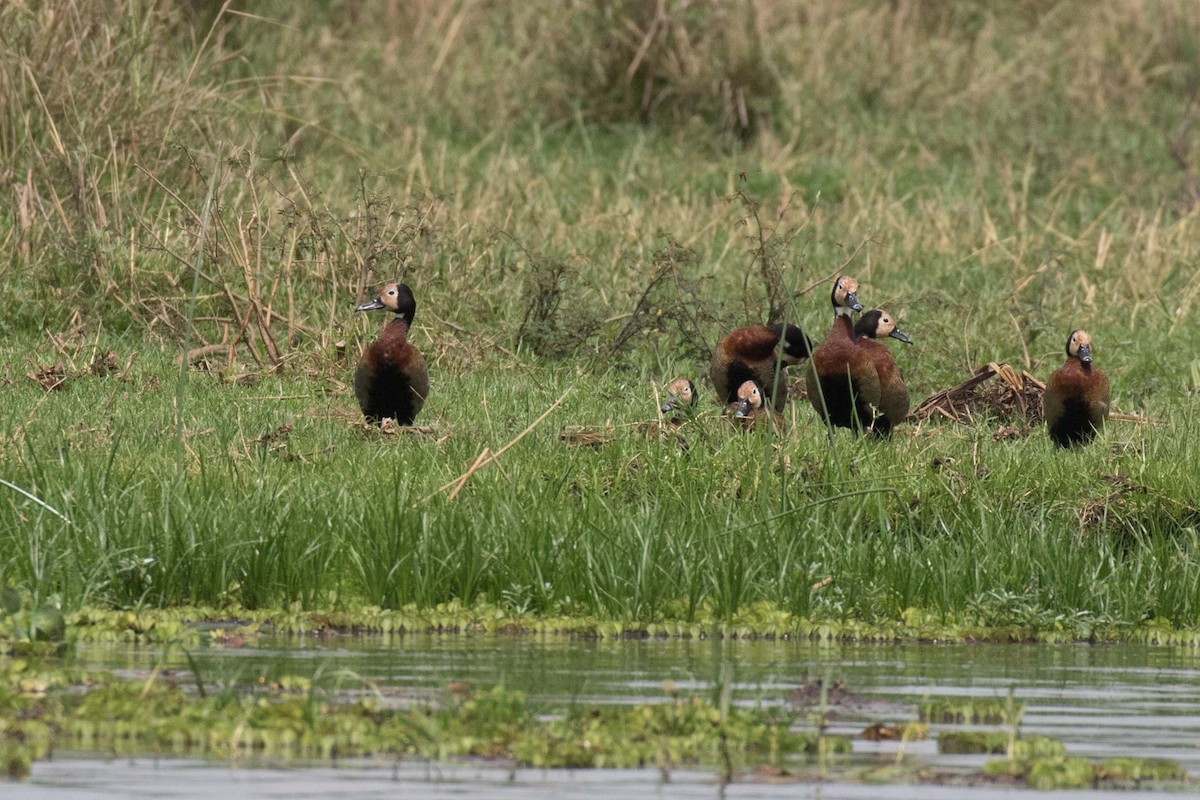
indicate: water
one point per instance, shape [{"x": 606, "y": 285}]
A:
[{"x": 1100, "y": 700}]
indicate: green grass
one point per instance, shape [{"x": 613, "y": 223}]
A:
[
  {"x": 941, "y": 518},
  {"x": 994, "y": 179}
]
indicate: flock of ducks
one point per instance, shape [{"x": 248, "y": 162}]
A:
[{"x": 852, "y": 380}]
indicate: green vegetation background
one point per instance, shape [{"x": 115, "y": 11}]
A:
[{"x": 584, "y": 196}]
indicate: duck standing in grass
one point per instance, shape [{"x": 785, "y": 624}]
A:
[
  {"x": 892, "y": 407},
  {"x": 749, "y": 411},
  {"x": 391, "y": 380},
  {"x": 842, "y": 383},
  {"x": 757, "y": 353},
  {"x": 1077, "y": 395}
]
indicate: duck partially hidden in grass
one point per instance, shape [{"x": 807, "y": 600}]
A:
[
  {"x": 677, "y": 408},
  {"x": 391, "y": 380},
  {"x": 841, "y": 379},
  {"x": 1077, "y": 395},
  {"x": 758, "y": 353},
  {"x": 680, "y": 402},
  {"x": 891, "y": 407},
  {"x": 749, "y": 410}
]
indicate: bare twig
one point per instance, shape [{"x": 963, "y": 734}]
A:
[{"x": 462, "y": 481}]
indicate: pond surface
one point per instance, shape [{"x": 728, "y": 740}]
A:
[{"x": 1100, "y": 700}]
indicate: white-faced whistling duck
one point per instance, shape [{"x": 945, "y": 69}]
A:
[
  {"x": 841, "y": 379},
  {"x": 748, "y": 411},
  {"x": 892, "y": 407},
  {"x": 1077, "y": 395},
  {"x": 391, "y": 379},
  {"x": 753, "y": 353},
  {"x": 680, "y": 402}
]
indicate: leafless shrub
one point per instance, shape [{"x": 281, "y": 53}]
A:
[{"x": 671, "y": 300}]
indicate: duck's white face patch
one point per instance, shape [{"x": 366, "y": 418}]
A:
[
  {"x": 390, "y": 297},
  {"x": 1079, "y": 339},
  {"x": 842, "y": 289},
  {"x": 749, "y": 391},
  {"x": 681, "y": 389}
]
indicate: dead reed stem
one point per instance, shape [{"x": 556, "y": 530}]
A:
[{"x": 485, "y": 458}]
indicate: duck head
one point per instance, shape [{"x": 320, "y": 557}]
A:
[
  {"x": 749, "y": 399},
  {"x": 879, "y": 324},
  {"x": 845, "y": 296},
  {"x": 395, "y": 297},
  {"x": 1079, "y": 345},
  {"x": 681, "y": 396}
]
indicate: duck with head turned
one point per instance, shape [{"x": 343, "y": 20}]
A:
[
  {"x": 892, "y": 406},
  {"x": 842, "y": 383},
  {"x": 1077, "y": 395},
  {"x": 757, "y": 353},
  {"x": 391, "y": 380}
]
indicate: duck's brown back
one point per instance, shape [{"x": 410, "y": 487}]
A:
[{"x": 747, "y": 354}]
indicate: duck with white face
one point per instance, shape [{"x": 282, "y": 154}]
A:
[
  {"x": 749, "y": 410},
  {"x": 840, "y": 378},
  {"x": 879, "y": 324},
  {"x": 391, "y": 380},
  {"x": 891, "y": 406},
  {"x": 844, "y": 297},
  {"x": 680, "y": 402},
  {"x": 1077, "y": 396}
]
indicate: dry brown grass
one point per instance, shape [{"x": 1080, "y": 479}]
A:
[
  {"x": 1011, "y": 396},
  {"x": 977, "y": 155}
]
